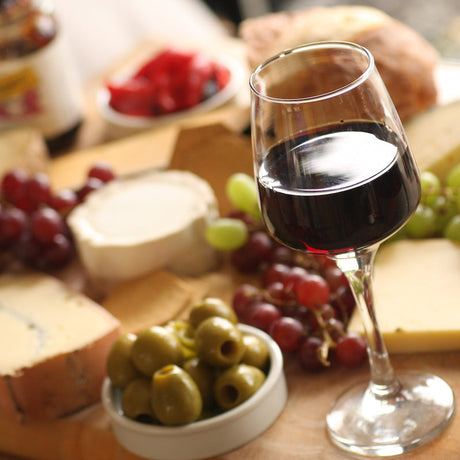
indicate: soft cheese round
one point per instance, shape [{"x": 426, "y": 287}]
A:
[{"x": 133, "y": 226}]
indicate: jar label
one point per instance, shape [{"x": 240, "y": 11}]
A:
[{"x": 40, "y": 90}]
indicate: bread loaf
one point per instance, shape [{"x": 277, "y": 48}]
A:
[
  {"x": 405, "y": 60},
  {"x": 54, "y": 345}
]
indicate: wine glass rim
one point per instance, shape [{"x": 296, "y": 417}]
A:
[{"x": 321, "y": 44}]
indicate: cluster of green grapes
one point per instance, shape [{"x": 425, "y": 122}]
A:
[{"x": 438, "y": 214}]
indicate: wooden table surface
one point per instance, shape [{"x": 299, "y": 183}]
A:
[{"x": 299, "y": 432}]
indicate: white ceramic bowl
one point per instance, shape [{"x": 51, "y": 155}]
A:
[
  {"x": 210, "y": 437},
  {"x": 120, "y": 125}
]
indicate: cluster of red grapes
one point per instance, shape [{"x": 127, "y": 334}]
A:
[
  {"x": 303, "y": 301},
  {"x": 33, "y": 227}
]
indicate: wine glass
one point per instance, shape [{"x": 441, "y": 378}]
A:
[{"x": 336, "y": 177}]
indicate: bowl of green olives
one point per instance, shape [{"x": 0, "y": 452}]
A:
[{"x": 215, "y": 388}]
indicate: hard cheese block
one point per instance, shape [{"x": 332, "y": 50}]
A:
[
  {"x": 53, "y": 347},
  {"x": 434, "y": 138},
  {"x": 416, "y": 286}
]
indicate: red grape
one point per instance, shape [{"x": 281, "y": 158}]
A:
[
  {"x": 45, "y": 224},
  {"x": 309, "y": 354},
  {"x": 259, "y": 245},
  {"x": 102, "y": 171},
  {"x": 38, "y": 189},
  {"x": 244, "y": 264},
  {"x": 13, "y": 184},
  {"x": 287, "y": 333},
  {"x": 282, "y": 255},
  {"x": 351, "y": 350},
  {"x": 63, "y": 201},
  {"x": 277, "y": 292},
  {"x": 275, "y": 273},
  {"x": 313, "y": 291},
  {"x": 12, "y": 224},
  {"x": 57, "y": 253},
  {"x": 262, "y": 315},
  {"x": 244, "y": 298},
  {"x": 294, "y": 277},
  {"x": 335, "y": 278},
  {"x": 92, "y": 184}
]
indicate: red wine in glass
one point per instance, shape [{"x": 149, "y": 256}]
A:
[{"x": 338, "y": 189}]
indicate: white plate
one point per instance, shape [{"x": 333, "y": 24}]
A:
[
  {"x": 128, "y": 124},
  {"x": 210, "y": 437}
]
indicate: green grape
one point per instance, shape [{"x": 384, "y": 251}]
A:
[
  {"x": 430, "y": 183},
  {"x": 241, "y": 190},
  {"x": 444, "y": 208},
  {"x": 422, "y": 222},
  {"x": 452, "y": 229},
  {"x": 227, "y": 234},
  {"x": 453, "y": 178}
]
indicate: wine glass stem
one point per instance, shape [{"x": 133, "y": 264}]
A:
[{"x": 358, "y": 267}]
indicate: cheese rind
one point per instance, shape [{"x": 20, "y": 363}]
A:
[
  {"x": 416, "y": 296},
  {"x": 54, "y": 346},
  {"x": 132, "y": 227}
]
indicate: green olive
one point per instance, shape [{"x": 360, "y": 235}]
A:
[
  {"x": 219, "y": 342},
  {"x": 204, "y": 377},
  {"x": 136, "y": 400},
  {"x": 211, "y": 306},
  {"x": 120, "y": 368},
  {"x": 154, "y": 348},
  {"x": 176, "y": 399},
  {"x": 256, "y": 352},
  {"x": 236, "y": 384},
  {"x": 185, "y": 333}
]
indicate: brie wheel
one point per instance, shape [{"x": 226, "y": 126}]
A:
[{"x": 133, "y": 226}]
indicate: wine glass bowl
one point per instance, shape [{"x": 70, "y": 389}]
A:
[{"x": 336, "y": 176}]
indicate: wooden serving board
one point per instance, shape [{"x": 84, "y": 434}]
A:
[{"x": 299, "y": 432}]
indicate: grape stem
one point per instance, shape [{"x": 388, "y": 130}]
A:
[{"x": 358, "y": 267}]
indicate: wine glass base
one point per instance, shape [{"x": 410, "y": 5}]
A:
[{"x": 363, "y": 423}]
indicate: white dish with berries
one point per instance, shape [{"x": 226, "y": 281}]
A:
[{"x": 122, "y": 122}]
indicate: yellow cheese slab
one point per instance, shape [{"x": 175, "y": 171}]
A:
[
  {"x": 434, "y": 138},
  {"x": 417, "y": 296}
]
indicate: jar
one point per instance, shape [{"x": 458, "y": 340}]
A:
[{"x": 38, "y": 84}]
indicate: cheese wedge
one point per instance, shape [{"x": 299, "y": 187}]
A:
[
  {"x": 131, "y": 227},
  {"x": 434, "y": 138},
  {"x": 53, "y": 347},
  {"x": 416, "y": 288}
]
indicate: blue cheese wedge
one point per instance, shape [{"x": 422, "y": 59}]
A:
[
  {"x": 53, "y": 347},
  {"x": 131, "y": 227},
  {"x": 416, "y": 287}
]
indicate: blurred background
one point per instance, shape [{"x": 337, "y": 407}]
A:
[{"x": 103, "y": 31}]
